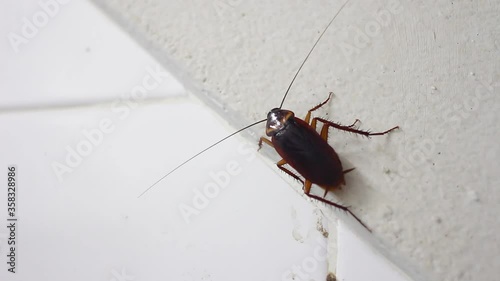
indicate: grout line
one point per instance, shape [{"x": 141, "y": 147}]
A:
[{"x": 84, "y": 104}]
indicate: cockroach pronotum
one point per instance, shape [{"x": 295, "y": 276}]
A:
[{"x": 301, "y": 146}]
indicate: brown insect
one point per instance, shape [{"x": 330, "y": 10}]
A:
[
  {"x": 301, "y": 146},
  {"x": 308, "y": 152}
]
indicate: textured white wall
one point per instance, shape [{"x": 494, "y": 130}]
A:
[{"x": 429, "y": 191}]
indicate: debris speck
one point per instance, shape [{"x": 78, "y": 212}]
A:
[
  {"x": 321, "y": 228},
  {"x": 331, "y": 277},
  {"x": 438, "y": 220}
]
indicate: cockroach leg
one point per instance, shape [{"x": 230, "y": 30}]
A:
[
  {"x": 308, "y": 115},
  {"x": 280, "y": 166},
  {"x": 354, "y": 124},
  {"x": 307, "y": 189},
  {"x": 268, "y": 142},
  {"x": 350, "y": 129},
  {"x": 343, "y": 208},
  {"x": 324, "y": 132},
  {"x": 281, "y": 162}
]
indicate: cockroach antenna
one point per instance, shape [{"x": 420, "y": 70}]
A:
[
  {"x": 199, "y": 153},
  {"x": 310, "y": 51}
]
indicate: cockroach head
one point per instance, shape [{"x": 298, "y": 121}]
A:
[{"x": 277, "y": 120}]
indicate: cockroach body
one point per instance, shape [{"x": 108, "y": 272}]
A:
[
  {"x": 304, "y": 149},
  {"x": 308, "y": 152}
]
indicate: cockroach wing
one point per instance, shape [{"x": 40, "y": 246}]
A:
[{"x": 309, "y": 154}]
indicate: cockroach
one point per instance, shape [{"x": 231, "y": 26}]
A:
[
  {"x": 308, "y": 152},
  {"x": 301, "y": 146}
]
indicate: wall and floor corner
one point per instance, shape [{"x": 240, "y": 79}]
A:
[{"x": 428, "y": 191}]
